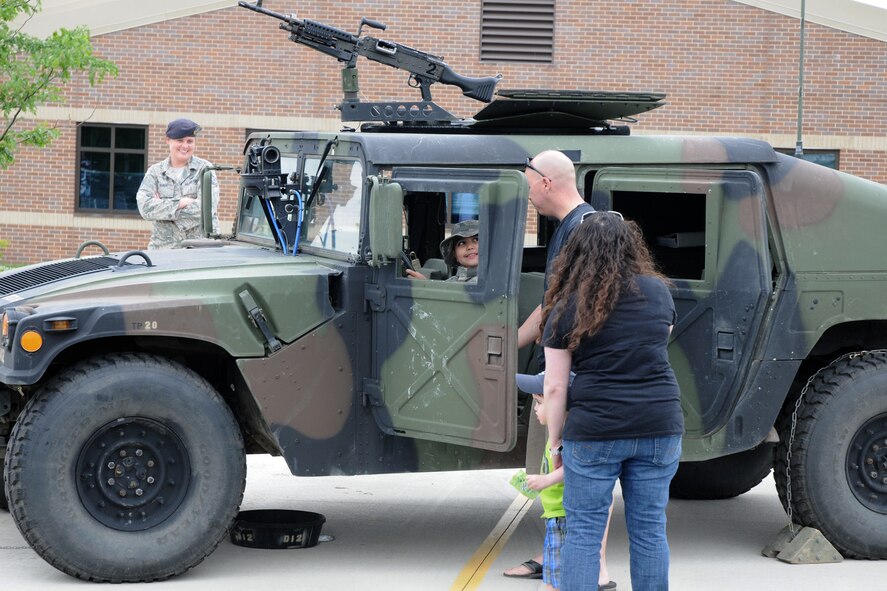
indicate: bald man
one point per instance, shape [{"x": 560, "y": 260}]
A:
[{"x": 553, "y": 193}]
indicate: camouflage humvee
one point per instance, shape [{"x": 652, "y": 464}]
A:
[{"x": 133, "y": 384}]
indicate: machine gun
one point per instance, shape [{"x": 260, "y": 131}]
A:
[{"x": 425, "y": 69}]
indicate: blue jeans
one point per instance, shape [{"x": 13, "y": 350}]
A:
[{"x": 645, "y": 467}]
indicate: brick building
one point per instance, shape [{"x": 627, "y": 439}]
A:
[{"x": 727, "y": 67}]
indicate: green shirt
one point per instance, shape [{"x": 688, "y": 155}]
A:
[{"x": 552, "y": 497}]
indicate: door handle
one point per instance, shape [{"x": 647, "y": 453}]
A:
[
  {"x": 494, "y": 350},
  {"x": 725, "y": 345}
]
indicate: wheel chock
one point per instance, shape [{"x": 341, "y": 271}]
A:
[
  {"x": 806, "y": 546},
  {"x": 779, "y": 542}
]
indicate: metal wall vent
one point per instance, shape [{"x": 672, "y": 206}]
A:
[{"x": 517, "y": 30}]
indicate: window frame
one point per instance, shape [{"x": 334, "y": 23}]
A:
[
  {"x": 812, "y": 151},
  {"x": 360, "y": 192},
  {"x": 112, "y": 151},
  {"x": 656, "y": 183}
]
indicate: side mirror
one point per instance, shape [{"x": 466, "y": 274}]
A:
[
  {"x": 386, "y": 214},
  {"x": 206, "y": 197},
  {"x": 206, "y": 201}
]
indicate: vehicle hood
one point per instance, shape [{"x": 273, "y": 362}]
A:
[{"x": 188, "y": 293}]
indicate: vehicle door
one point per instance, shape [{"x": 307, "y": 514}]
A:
[
  {"x": 707, "y": 230},
  {"x": 444, "y": 352}
]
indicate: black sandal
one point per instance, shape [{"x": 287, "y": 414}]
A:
[{"x": 535, "y": 570}]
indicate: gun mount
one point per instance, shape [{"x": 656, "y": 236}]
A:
[{"x": 425, "y": 69}]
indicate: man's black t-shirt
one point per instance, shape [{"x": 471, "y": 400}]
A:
[
  {"x": 624, "y": 385},
  {"x": 561, "y": 234},
  {"x": 558, "y": 239}
]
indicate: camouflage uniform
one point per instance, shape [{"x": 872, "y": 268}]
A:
[
  {"x": 464, "y": 229},
  {"x": 465, "y": 275},
  {"x": 159, "y": 196}
]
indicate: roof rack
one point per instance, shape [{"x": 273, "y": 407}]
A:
[{"x": 540, "y": 110}]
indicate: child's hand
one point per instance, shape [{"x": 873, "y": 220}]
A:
[{"x": 537, "y": 481}]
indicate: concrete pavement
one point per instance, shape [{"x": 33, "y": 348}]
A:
[{"x": 458, "y": 531}]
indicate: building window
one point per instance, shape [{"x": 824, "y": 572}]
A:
[
  {"x": 827, "y": 158},
  {"x": 517, "y": 31},
  {"x": 112, "y": 161}
]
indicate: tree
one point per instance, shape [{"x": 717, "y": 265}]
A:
[{"x": 33, "y": 72}]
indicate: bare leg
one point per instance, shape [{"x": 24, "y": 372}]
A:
[
  {"x": 537, "y": 437},
  {"x": 604, "y": 576}
]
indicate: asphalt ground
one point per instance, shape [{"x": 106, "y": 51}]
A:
[{"x": 453, "y": 531}]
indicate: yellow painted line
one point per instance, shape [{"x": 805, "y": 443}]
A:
[{"x": 476, "y": 568}]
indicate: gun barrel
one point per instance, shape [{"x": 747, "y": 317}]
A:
[{"x": 259, "y": 9}]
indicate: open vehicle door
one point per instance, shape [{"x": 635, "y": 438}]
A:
[{"x": 445, "y": 353}]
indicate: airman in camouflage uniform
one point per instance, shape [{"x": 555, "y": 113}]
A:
[{"x": 169, "y": 195}]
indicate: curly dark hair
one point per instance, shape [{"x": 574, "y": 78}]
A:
[{"x": 596, "y": 265}]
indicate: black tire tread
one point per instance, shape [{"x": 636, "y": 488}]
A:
[
  {"x": 824, "y": 386},
  {"x": 722, "y": 478},
  {"x": 4, "y": 504}
]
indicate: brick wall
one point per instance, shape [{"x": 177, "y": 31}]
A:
[{"x": 726, "y": 67}]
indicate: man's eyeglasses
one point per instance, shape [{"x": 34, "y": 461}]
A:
[
  {"x": 536, "y": 170},
  {"x": 588, "y": 213}
]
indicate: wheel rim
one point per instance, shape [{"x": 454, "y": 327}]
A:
[
  {"x": 867, "y": 464},
  {"x": 133, "y": 473}
]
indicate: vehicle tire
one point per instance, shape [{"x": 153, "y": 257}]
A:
[
  {"x": 722, "y": 478},
  {"x": 838, "y": 465},
  {"x": 4, "y": 504},
  {"x": 125, "y": 468}
]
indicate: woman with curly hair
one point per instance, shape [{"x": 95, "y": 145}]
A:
[{"x": 608, "y": 315}]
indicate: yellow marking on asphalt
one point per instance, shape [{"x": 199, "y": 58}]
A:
[{"x": 476, "y": 568}]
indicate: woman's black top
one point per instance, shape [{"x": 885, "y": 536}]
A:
[{"x": 624, "y": 385}]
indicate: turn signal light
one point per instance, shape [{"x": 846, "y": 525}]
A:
[
  {"x": 60, "y": 324},
  {"x": 31, "y": 341}
]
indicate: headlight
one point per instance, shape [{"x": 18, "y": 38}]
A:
[{"x": 4, "y": 331}]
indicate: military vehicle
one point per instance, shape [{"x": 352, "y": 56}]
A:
[{"x": 133, "y": 384}]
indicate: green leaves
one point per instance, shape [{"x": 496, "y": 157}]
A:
[{"x": 33, "y": 72}]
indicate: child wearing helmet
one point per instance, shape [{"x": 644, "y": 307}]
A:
[{"x": 460, "y": 251}]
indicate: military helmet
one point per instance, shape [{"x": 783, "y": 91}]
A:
[{"x": 464, "y": 229}]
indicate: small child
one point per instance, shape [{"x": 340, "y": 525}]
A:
[
  {"x": 550, "y": 483},
  {"x": 460, "y": 252}
]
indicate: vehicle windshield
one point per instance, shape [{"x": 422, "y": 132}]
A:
[{"x": 332, "y": 220}]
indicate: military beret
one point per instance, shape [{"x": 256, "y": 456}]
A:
[{"x": 180, "y": 128}]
